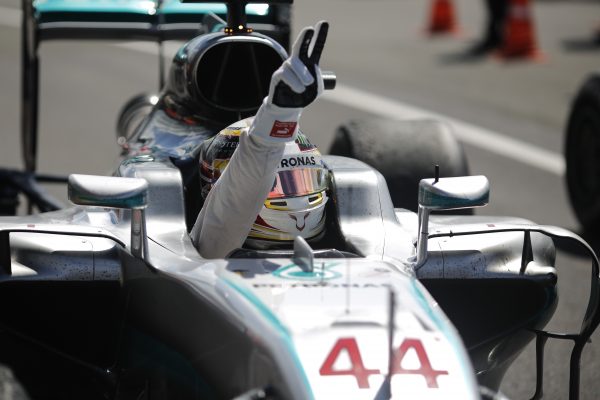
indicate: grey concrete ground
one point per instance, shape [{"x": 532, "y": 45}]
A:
[{"x": 378, "y": 46}]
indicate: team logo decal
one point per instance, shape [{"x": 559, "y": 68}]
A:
[
  {"x": 300, "y": 225},
  {"x": 321, "y": 272},
  {"x": 283, "y": 129},
  {"x": 299, "y": 160}
]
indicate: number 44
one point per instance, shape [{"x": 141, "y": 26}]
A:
[{"x": 361, "y": 373}]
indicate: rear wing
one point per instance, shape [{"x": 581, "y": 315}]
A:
[
  {"x": 154, "y": 20},
  {"x": 151, "y": 20}
]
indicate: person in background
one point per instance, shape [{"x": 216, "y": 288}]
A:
[{"x": 497, "y": 11}]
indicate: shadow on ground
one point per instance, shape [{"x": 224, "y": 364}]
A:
[{"x": 582, "y": 44}]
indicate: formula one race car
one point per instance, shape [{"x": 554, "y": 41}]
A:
[{"x": 109, "y": 299}]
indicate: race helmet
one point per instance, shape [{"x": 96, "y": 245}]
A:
[{"x": 295, "y": 206}]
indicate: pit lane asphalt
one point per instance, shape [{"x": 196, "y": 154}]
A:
[{"x": 377, "y": 47}]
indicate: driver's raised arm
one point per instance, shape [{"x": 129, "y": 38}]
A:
[{"x": 237, "y": 197}]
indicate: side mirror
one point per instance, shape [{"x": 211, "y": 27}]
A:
[
  {"x": 447, "y": 194},
  {"x": 115, "y": 192}
]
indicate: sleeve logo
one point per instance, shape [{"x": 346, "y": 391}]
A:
[{"x": 283, "y": 129}]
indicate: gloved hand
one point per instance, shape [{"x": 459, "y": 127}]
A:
[{"x": 296, "y": 84}]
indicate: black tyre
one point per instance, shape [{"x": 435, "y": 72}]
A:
[
  {"x": 582, "y": 154},
  {"x": 9, "y": 198},
  {"x": 403, "y": 151}
]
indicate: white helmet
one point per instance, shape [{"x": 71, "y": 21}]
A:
[{"x": 296, "y": 203}]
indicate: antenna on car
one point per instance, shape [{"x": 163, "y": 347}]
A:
[
  {"x": 385, "y": 390},
  {"x": 236, "y": 17},
  {"x": 391, "y": 332},
  {"x": 347, "y": 288}
]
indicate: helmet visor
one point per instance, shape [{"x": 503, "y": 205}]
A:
[{"x": 298, "y": 182}]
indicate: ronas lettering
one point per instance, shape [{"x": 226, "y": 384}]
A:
[{"x": 362, "y": 373}]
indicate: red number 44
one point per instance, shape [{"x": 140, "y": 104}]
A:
[{"x": 361, "y": 373}]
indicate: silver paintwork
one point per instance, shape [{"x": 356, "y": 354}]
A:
[
  {"x": 368, "y": 223},
  {"x": 303, "y": 254},
  {"x": 165, "y": 213},
  {"x": 366, "y": 213},
  {"x": 453, "y": 193},
  {"x": 107, "y": 191},
  {"x": 495, "y": 256},
  {"x": 447, "y": 194},
  {"x": 504, "y": 257},
  {"x": 115, "y": 192},
  {"x": 41, "y": 251}
]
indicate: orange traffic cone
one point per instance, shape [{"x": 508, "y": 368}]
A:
[
  {"x": 442, "y": 18},
  {"x": 519, "y": 34}
]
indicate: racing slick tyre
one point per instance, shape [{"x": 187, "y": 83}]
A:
[
  {"x": 582, "y": 154},
  {"x": 404, "y": 152},
  {"x": 9, "y": 198}
]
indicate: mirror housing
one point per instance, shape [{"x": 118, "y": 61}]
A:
[
  {"x": 447, "y": 194},
  {"x": 454, "y": 193},
  {"x": 115, "y": 192}
]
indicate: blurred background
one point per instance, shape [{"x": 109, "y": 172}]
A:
[{"x": 510, "y": 114}]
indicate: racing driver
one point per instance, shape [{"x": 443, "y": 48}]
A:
[{"x": 237, "y": 197}]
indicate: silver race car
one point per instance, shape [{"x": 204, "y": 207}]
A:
[{"x": 109, "y": 298}]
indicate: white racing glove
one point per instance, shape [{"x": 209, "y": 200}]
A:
[{"x": 296, "y": 84}]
